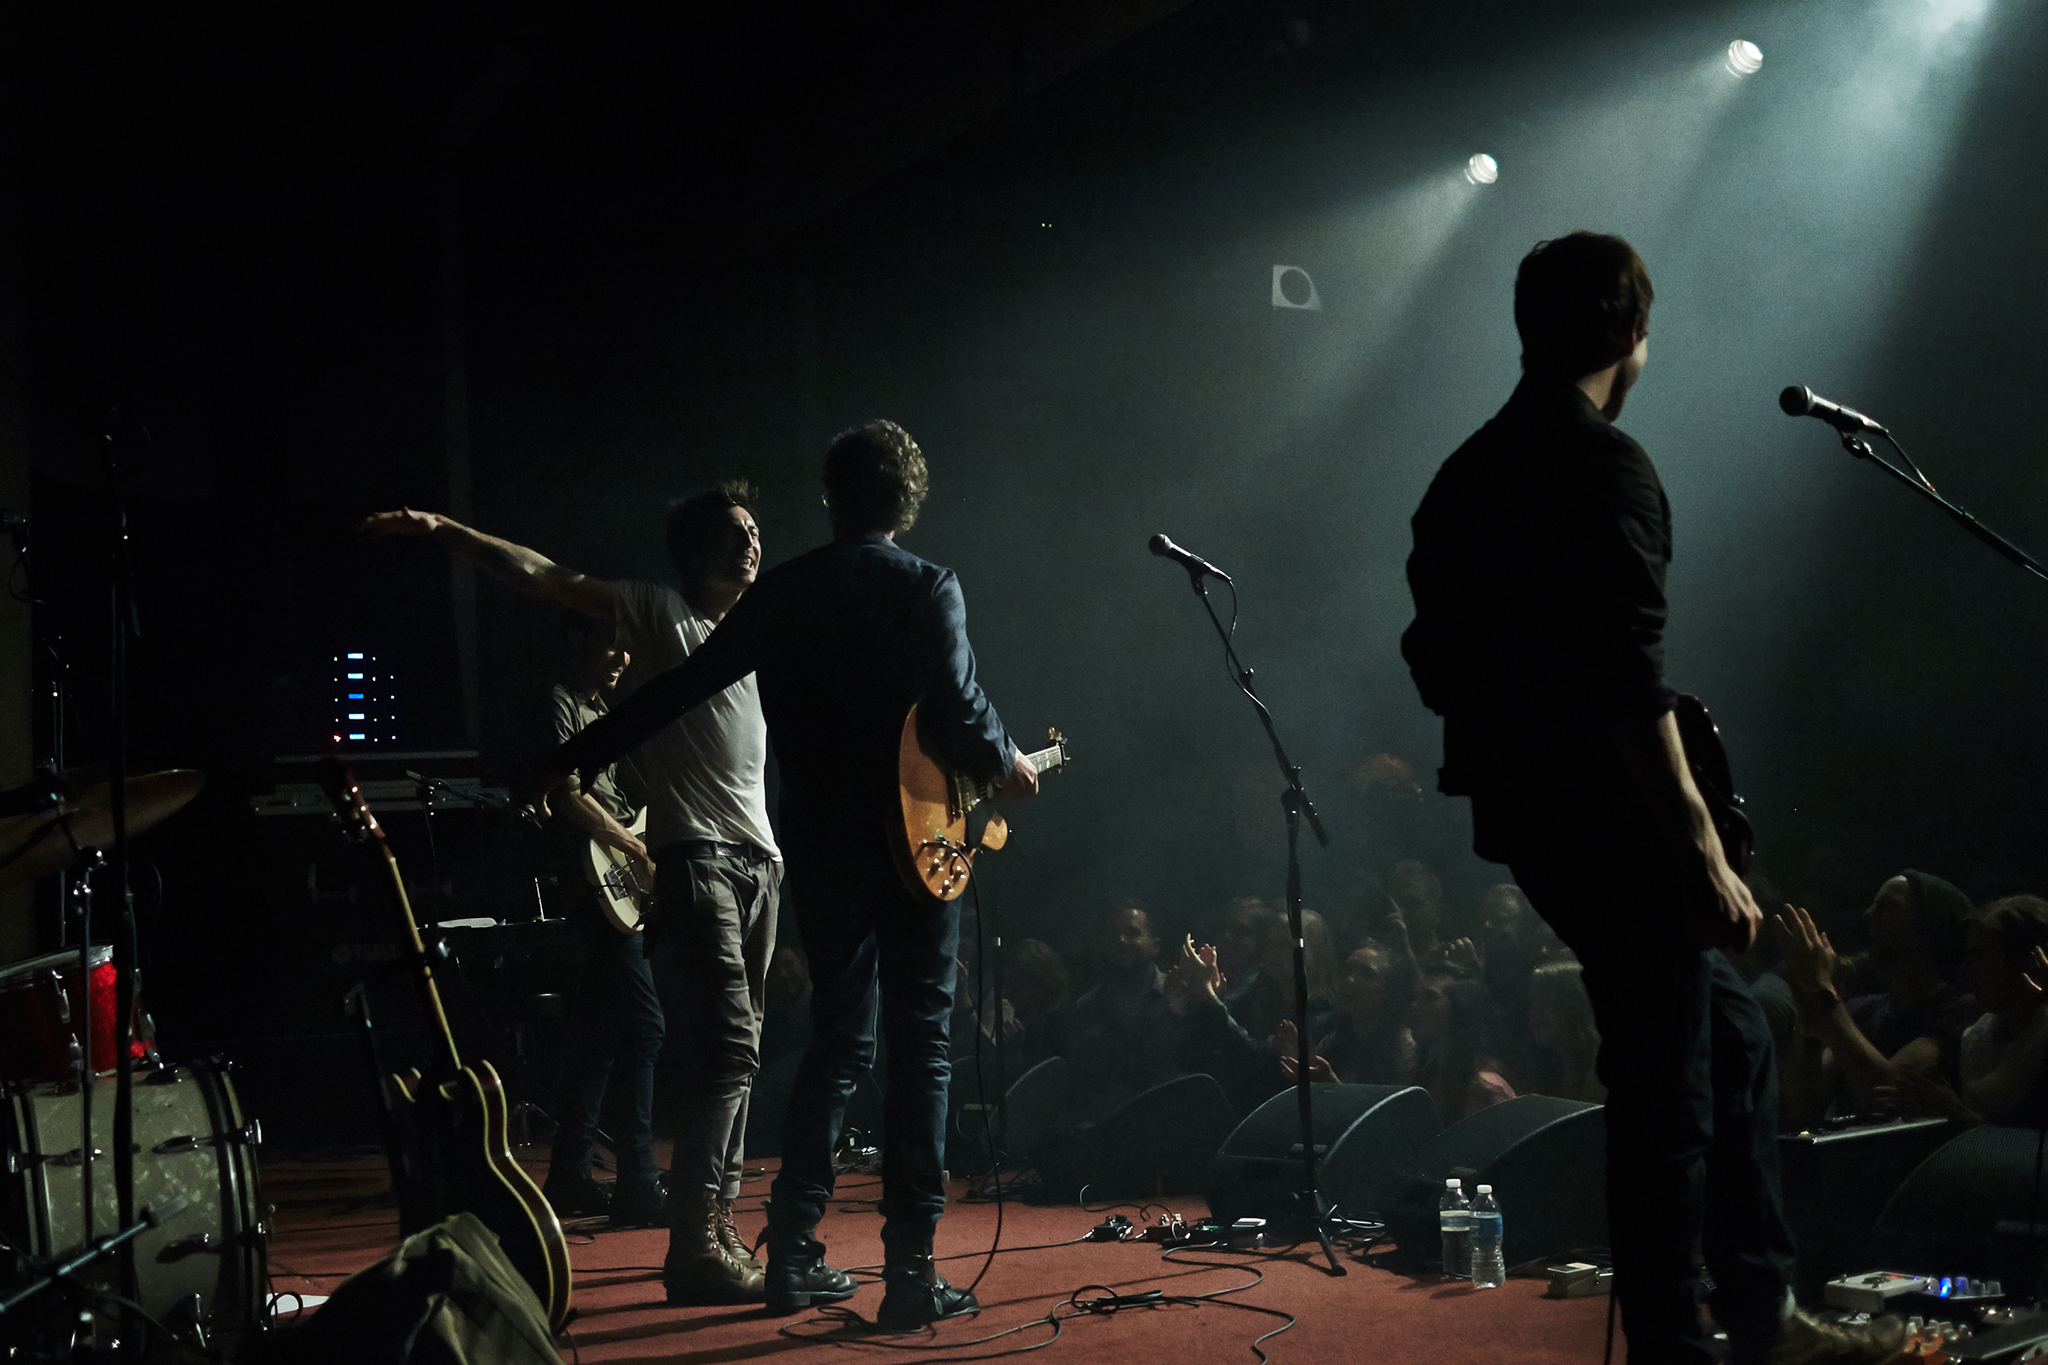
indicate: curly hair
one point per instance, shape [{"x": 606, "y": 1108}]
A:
[
  {"x": 689, "y": 519},
  {"x": 1574, "y": 297},
  {"x": 876, "y": 478}
]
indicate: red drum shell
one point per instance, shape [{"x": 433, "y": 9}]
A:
[{"x": 41, "y": 1012}]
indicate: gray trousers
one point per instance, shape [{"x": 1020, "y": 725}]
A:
[{"x": 710, "y": 944}]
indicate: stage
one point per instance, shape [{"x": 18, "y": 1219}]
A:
[{"x": 324, "y": 1228}]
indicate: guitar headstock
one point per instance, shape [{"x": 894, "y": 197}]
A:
[{"x": 349, "y": 805}]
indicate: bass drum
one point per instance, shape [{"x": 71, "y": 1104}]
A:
[{"x": 205, "y": 1265}]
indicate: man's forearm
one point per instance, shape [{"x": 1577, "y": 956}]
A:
[
  {"x": 523, "y": 569},
  {"x": 584, "y": 813},
  {"x": 1655, "y": 756}
]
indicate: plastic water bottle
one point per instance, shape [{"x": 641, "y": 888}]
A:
[
  {"x": 1454, "y": 1220},
  {"x": 1489, "y": 1271}
]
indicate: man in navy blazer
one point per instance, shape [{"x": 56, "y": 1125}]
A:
[{"x": 844, "y": 640}]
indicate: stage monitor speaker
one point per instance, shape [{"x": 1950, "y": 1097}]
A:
[
  {"x": 1968, "y": 1210},
  {"x": 1834, "y": 1184},
  {"x": 1546, "y": 1159},
  {"x": 1365, "y": 1135},
  {"x": 1158, "y": 1142}
]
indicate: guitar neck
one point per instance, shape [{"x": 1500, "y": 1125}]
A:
[
  {"x": 430, "y": 992},
  {"x": 1045, "y": 760}
]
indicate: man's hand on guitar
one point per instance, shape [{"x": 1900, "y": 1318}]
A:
[
  {"x": 1023, "y": 781},
  {"x": 615, "y": 835}
]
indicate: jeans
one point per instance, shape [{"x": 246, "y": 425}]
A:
[
  {"x": 1692, "y": 1106},
  {"x": 860, "y": 928},
  {"x": 617, "y": 1025},
  {"x": 713, "y": 933}
]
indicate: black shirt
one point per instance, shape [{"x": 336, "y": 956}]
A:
[{"x": 1538, "y": 578}]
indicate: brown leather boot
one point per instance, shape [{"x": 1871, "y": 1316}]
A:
[
  {"x": 699, "y": 1270},
  {"x": 729, "y": 1238}
]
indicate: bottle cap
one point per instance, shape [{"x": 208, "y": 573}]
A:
[
  {"x": 1451, "y": 1184},
  {"x": 1486, "y": 1189}
]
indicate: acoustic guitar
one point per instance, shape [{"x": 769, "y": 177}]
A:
[
  {"x": 1712, "y": 775},
  {"x": 930, "y": 847},
  {"x": 625, "y": 884},
  {"x": 450, "y": 1128}
]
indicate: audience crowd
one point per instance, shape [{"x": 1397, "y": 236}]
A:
[{"x": 1939, "y": 1013}]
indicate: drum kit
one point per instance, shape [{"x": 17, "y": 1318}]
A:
[{"x": 198, "y": 1238}]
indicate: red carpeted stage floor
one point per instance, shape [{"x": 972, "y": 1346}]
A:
[{"x": 326, "y": 1226}]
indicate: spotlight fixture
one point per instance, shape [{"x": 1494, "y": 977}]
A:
[
  {"x": 1482, "y": 169},
  {"x": 1744, "y": 58}
]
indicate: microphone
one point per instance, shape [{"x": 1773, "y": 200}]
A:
[
  {"x": 1187, "y": 559},
  {"x": 1800, "y": 401}
]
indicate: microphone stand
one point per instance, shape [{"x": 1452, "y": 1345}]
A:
[
  {"x": 1856, "y": 445},
  {"x": 1309, "y": 1207}
]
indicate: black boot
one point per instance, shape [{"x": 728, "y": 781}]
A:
[
  {"x": 573, "y": 1194},
  {"x": 798, "y": 1277},
  {"x": 915, "y": 1294}
]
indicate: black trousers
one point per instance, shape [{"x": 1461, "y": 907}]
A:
[
  {"x": 616, "y": 1031},
  {"x": 1692, "y": 1106},
  {"x": 860, "y": 929}
]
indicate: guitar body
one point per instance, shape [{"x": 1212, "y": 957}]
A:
[
  {"x": 1716, "y": 781},
  {"x": 456, "y": 1157},
  {"x": 449, "y": 1133},
  {"x": 625, "y": 884},
  {"x": 930, "y": 845}
]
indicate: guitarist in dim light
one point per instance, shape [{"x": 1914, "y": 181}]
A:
[
  {"x": 1538, "y": 576},
  {"x": 844, "y": 640}
]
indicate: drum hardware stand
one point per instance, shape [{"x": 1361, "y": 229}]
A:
[
  {"x": 429, "y": 788},
  {"x": 356, "y": 1004},
  {"x": 152, "y": 1217},
  {"x": 1309, "y": 1210}
]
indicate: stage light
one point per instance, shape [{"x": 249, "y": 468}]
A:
[
  {"x": 1482, "y": 169},
  {"x": 1744, "y": 58}
]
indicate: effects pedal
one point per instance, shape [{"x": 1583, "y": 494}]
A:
[
  {"x": 1874, "y": 1291},
  {"x": 1578, "y": 1280}
]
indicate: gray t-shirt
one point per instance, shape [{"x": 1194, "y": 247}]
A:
[
  {"x": 616, "y": 788},
  {"x": 706, "y": 772}
]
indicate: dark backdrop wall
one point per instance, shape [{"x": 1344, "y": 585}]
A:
[{"x": 256, "y": 240}]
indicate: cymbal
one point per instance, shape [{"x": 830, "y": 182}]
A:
[{"x": 49, "y": 840}]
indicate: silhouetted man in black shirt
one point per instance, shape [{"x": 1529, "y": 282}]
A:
[{"x": 1538, "y": 576}]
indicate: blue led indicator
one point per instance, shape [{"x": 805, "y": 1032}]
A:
[
  {"x": 355, "y": 677},
  {"x": 355, "y": 656},
  {"x": 357, "y": 715},
  {"x": 358, "y": 736},
  {"x": 355, "y": 696}
]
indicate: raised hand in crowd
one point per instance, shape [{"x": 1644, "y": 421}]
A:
[
  {"x": 1810, "y": 961},
  {"x": 1197, "y": 976},
  {"x": 1289, "y": 1040},
  {"x": 1463, "y": 957}
]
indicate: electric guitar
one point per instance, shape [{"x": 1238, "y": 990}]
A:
[
  {"x": 449, "y": 1129},
  {"x": 930, "y": 847},
  {"x": 1711, "y": 774},
  {"x": 625, "y": 884}
]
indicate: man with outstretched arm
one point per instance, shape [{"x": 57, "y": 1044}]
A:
[
  {"x": 845, "y": 640},
  {"x": 1538, "y": 577},
  {"x": 718, "y": 870}
]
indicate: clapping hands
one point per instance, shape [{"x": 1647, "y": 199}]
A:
[
  {"x": 1289, "y": 1039},
  {"x": 1196, "y": 975}
]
